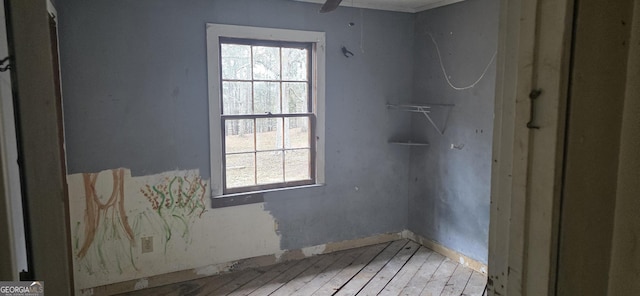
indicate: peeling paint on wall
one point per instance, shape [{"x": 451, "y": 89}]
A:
[{"x": 111, "y": 211}]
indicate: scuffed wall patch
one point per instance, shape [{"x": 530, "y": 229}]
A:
[
  {"x": 212, "y": 269},
  {"x": 312, "y": 251},
  {"x": 141, "y": 284}
]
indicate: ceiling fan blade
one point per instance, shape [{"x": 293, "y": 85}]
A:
[{"x": 330, "y": 5}]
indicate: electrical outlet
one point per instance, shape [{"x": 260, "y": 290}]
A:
[{"x": 147, "y": 244}]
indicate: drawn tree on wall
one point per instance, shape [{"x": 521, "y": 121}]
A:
[
  {"x": 106, "y": 226},
  {"x": 95, "y": 209}
]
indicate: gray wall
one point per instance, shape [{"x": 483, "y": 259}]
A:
[
  {"x": 135, "y": 96},
  {"x": 449, "y": 188}
]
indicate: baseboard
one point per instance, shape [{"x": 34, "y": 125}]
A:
[
  {"x": 209, "y": 270},
  {"x": 451, "y": 254}
]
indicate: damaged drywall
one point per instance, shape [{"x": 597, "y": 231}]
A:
[{"x": 111, "y": 212}]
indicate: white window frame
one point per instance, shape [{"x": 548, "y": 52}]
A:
[{"x": 214, "y": 32}]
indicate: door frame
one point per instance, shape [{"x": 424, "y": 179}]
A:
[
  {"x": 533, "y": 54},
  {"x": 12, "y": 245},
  {"x": 41, "y": 148}
]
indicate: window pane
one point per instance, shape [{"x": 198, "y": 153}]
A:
[
  {"x": 240, "y": 170},
  {"x": 239, "y": 136},
  {"x": 296, "y": 132},
  {"x": 266, "y": 63},
  {"x": 297, "y": 165},
  {"x": 295, "y": 97},
  {"x": 270, "y": 167},
  {"x": 236, "y": 61},
  {"x": 267, "y": 97},
  {"x": 236, "y": 98},
  {"x": 269, "y": 136},
  {"x": 294, "y": 64}
]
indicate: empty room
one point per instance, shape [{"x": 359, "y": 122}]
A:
[{"x": 300, "y": 147}]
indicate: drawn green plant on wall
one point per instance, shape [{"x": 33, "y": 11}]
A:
[{"x": 178, "y": 201}]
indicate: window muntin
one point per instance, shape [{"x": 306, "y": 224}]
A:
[{"x": 266, "y": 114}]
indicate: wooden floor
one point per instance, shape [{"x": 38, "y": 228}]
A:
[{"x": 397, "y": 268}]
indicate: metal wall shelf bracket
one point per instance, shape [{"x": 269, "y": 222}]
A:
[{"x": 425, "y": 110}]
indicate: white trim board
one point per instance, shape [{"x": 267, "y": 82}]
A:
[
  {"x": 410, "y": 6},
  {"x": 533, "y": 53}
]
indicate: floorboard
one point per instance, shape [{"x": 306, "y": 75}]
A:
[
  {"x": 237, "y": 283},
  {"x": 333, "y": 270},
  {"x": 400, "y": 267},
  {"x": 476, "y": 285},
  {"x": 260, "y": 281},
  {"x": 457, "y": 282},
  {"x": 366, "y": 274},
  {"x": 285, "y": 277},
  {"x": 436, "y": 284},
  {"x": 389, "y": 271},
  {"x": 402, "y": 278},
  {"x": 424, "y": 274},
  {"x": 305, "y": 277},
  {"x": 346, "y": 274}
]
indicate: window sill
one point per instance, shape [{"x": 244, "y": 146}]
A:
[{"x": 245, "y": 198}]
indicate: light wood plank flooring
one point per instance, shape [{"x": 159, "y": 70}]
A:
[{"x": 401, "y": 267}]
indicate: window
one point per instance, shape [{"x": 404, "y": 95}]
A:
[
  {"x": 266, "y": 102},
  {"x": 267, "y": 114}
]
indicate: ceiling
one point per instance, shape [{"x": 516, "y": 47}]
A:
[{"x": 411, "y": 6}]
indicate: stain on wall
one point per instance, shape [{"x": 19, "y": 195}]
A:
[{"x": 449, "y": 191}]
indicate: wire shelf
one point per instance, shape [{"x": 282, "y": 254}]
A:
[{"x": 423, "y": 109}]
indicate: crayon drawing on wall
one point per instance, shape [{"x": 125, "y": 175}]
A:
[{"x": 107, "y": 237}]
